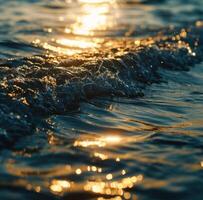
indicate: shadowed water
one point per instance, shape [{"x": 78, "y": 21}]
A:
[{"x": 101, "y": 99}]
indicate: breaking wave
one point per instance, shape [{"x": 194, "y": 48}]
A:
[{"x": 32, "y": 88}]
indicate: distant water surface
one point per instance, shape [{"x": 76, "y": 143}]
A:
[{"x": 101, "y": 99}]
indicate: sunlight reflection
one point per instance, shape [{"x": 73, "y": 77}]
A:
[
  {"x": 100, "y": 142},
  {"x": 78, "y": 171},
  {"x": 83, "y": 33},
  {"x": 100, "y": 155},
  {"x": 59, "y": 186},
  {"x": 60, "y": 50},
  {"x": 76, "y": 43},
  {"x": 112, "y": 139},
  {"x": 109, "y": 176},
  {"x": 123, "y": 172},
  {"x": 87, "y": 143},
  {"x": 38, "y": 189},
  {"x": 113, "y": 187},
  {"x": 94, "y": 169},
  {"x": 94, "y": 17}
]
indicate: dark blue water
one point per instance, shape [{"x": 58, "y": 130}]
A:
[{"x": 101, "y": 99}]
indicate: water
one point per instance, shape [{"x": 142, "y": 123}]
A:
[{"x": 101, "y": 99}]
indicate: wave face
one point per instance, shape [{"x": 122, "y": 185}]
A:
[{"x": 39, "y": 86}]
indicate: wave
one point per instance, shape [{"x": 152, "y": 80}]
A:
[{"x": 33, "y": 88}]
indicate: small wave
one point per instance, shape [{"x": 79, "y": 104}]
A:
[
  {"x": 34, "y": 87},
  {"x": 15, "y": 48}
]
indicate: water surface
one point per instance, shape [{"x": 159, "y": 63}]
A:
[{"x": 101, "y": 99}]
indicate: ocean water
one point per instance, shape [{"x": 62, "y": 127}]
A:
[{"x": 101, "y": 99}]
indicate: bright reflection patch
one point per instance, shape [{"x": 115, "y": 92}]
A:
[
  {"x": 113, "y": 187},
  {"x": 100, "y": 142},
  {"x": 95, "y": 18},
  {"x": 58, "y": 186},
  {"x": 83, "y": 33},
  {"x": 76, "y": 43}
]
